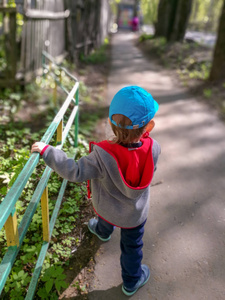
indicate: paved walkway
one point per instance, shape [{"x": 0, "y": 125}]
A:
[{"x": 184, "y": 241}]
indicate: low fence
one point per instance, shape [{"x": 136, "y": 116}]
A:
[{"x": 15, "y": 234}]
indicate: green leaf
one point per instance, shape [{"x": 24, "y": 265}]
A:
[
  {"x": 48, "y": 285},
  {"x": 42, "y": 293},
  {"x": 6, "y": 289},
  {"x": 3, "y": 190},
  {"x": 83, "y": 288},
  {"x": 64, "y": 284},
  {"x": 21, "y": 273},
  {"x": 59, "y": 270},
  {"x": 61, "y": 277},
  {"x": 58, "y": 285},
  {"x": 45, "y": 278}
]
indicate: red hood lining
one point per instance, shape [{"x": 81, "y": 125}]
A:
[{"x": 136, "y": 167}]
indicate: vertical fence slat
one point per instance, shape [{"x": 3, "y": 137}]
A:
[
  {"x": 45, "y": 215},
  {"x": 11, "y": 230},
  {"x": 12, "y": 196},
  {"x": 76, "y": 121},
  {"x": 59, "y": 133},
  {"x": 44, "y": 248},
  {"x": 13, "y": 46},
  {"x": 12, "y": 252}
]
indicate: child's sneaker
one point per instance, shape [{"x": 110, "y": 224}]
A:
[
  {"x": 142, "y": 281},
  {"x": 92, "y": 227}
]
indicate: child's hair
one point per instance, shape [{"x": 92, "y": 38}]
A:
[{"x": 123, "y": 135}]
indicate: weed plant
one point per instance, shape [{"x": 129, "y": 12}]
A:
[
  {"x": 97, "y": 55},
  {"x": 191, "y": 60}
]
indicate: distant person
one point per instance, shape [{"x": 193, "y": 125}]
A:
[
  {"x": 121, "y": 170},
  {"x": 135, "y": 24}
]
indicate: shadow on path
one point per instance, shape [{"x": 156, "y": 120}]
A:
[{"x": 113, "y": 293}]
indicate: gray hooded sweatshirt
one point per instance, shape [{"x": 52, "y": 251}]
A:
[{"x": 120, "y": 178}]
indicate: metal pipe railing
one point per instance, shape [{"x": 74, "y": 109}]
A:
[{"x": 16, "y": 234}]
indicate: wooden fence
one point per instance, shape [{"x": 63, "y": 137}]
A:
[
  {"x": 43, "y": 29},
  {"x": 89, "y": 24},
  {"x": 60, "y": 27}
]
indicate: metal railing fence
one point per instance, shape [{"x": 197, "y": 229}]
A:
[{"x": 15, "y": 234}]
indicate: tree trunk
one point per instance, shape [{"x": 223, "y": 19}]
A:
[
  {"x": 218, "y": 66},
  {"x": 161, "y": 27},
  {"x": 173, "y": 18},
  {"x": 180, "y": 20}
]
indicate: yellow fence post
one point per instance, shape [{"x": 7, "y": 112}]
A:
[
  {"x": 11, "y": 230},
  {"x": 45, "y": 215},
  {"x": 59, "y": 133}
]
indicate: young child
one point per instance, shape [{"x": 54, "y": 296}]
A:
[{"x": 121, "y": 171}]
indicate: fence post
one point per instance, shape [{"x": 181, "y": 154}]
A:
[
  {"x": 11, "y": 230},
  {"x": 45, "y": 215},
  {"x": 13, "y": 46},
  {"x": 76, "y": 120},
  {"x": 59, "y": 133},
  {"x": 43, "y": 65}
]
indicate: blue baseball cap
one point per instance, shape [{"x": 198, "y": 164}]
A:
[{"x": 136, "y": 104}]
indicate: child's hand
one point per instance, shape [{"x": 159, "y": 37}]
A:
[{"x": 38, "y": 147}]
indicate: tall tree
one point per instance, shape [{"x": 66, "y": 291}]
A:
[
  {"x": 164, "y": 12},
  {"x": 173, "y": 18},
  {"x": 218, "y": 66},
  {"x": 179, "y": 20}
]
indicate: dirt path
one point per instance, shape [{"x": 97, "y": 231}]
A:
[{"x": 184, "y": 235}]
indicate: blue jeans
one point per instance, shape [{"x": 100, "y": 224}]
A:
[{"x": 131, "y": 250}]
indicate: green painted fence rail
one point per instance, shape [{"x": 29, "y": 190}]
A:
[{"x": 16, "y": 234}]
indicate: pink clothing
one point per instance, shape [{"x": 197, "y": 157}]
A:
[{"x": 135, "y": 24}]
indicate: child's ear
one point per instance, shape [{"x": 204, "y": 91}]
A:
[{"x": 150, "y": 126}]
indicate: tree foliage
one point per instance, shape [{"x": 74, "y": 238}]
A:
[
  {"x": 205, "y": 14},
  {"x": 149, "y": 10}
]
